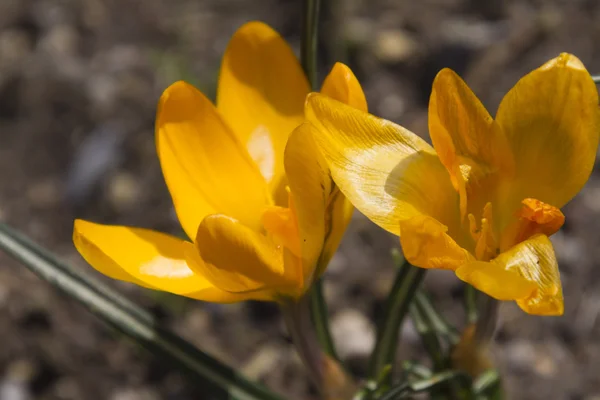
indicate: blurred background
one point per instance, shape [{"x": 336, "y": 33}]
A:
[{"x": 79, "y": 82}]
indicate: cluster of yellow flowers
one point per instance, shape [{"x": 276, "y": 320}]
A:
[{"x": 264, "y": 182}]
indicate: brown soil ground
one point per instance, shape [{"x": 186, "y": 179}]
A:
[{"x": 79, "y": 81}]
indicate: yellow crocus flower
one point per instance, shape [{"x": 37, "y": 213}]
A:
[
  {"x": 258, "y": 202},
  {"x": 484, "y": 199}
]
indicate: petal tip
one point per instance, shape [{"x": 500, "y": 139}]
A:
[
  {"x": 445, "y": 73},
  {"x": 553, "y": 307},
  {"x": 256, "y": 27},
  {"x": 312, "y": 102},
  {"x": 81, "y": 225},
  {"x": 564, "y": 60}
]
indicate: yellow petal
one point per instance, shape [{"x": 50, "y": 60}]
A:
[
  {"x": 552, "y": 122},
  {"x": 527, "y": 273},
  {"x": 426, "y": 244},
  {"x": 539, "y": 266},
  {"x": 144, "y": 257},
  {"x": 311, "y": 187},
  {"x": 324, "y": 211},
  {"x": 496, "y": 281},
  {"x": 532, "y": 218},
  {"x": 339, "y": 214},
  {"x": 281, "y": 223},
  {"x": 206, "y": 168},
  {"x": 261, "y": 95},
  {"x": 467, "y": 140},
  {"x": 380, "y": 166},
  {"x": 342, "y": 85},
  {"x": 461, "y": 129},
  {"x": 237, "y": 259}
]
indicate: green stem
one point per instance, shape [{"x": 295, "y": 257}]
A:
[
  {"x": 131, "y": 321},
  {"x": 310, "y": 38},
  {"x": 405, "y": 285},
  {"x": 596, "y": 79},
  {"x": 325, "y": 372},
  {"x": 471, "y": 303},
  {"x": 487, "y": 320},
  {"x": 320, "y": 318},
  {"x": 297, "y": 319}
]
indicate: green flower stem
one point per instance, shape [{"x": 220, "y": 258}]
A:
[
  {"x": 327, "y": 375},
  {"x": 485, "y": 326},
  {"x": 596, "y": 79},
  {"x": 405, "y": 285},
  {"x": 471, "y": 303},
  {"x": 130, "y": 320},
  {"x": 320, "y": 319},
  {"x": 310, "y": 39}
]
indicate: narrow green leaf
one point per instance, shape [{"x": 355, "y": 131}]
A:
[
  {"x": 428, "y": 336},
  {"x": 485, "y": 381},
  {"x": 407, "y": 389},
  {"x": 438, "y": 323},
  {"x": 132, "y": 321},
  {"x": 418, "y": 370},
  {"x": 77, "y": 274},
  {"x": 488, "y": 386}
]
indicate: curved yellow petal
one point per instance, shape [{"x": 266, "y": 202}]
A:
[
  {"x": 426, "y": 244},
  {"x": 539, "y": 266},
  {"x": 261, "y": 94},
  {"x": 339, "y": 214},
  {"x": 144, "y": 257},
  {"x": 552, "y": 122},
  {"x": 205, "y": 167},
  {"x": 527, "y": 273},
  {"x": 342, "y": 85},
  {"x": 469, "y": 143},
  {"x": 311, "y": 187},
  {"x": 380, "y": 166},
  {"x": 533, "y": 217},
  {"x": 496, "y": 281},
  {"x": 282, "y": 225},
  {"x": 461, "y": 129},
  {"x": 237, "y": 259}
]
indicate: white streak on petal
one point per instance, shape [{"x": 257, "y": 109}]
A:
[
  {"x": 262, "y": 152},
  {"x": 162, "y": 267}
]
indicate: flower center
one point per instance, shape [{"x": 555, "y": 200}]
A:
[
  {"x": 531, "y": 218},
  {"x": 486, "y": 243}
]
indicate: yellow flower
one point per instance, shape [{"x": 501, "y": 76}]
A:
[
  {"x": 484, "y": 199},
  {"x": 264, "y": 218}
]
